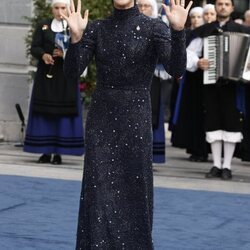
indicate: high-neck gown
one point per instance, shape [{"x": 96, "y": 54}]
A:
[{"x": 116, "y": 204}]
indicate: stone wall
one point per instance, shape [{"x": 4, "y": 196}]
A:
[{"x": 14, "y": 77}]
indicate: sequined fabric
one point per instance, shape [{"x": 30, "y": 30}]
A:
[{"x": 117, "y": 192}]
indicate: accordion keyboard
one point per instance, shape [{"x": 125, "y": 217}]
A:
[{"x": 210, "y": 75}]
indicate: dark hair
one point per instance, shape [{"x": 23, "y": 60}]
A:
[
  {"x": 134, "y": 1},
  {"x": 231, "y": 1}
]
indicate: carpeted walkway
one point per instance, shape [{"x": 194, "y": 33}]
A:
[
  {"x": 41, "y": 214},
  {"x": 200, "y": 220}
]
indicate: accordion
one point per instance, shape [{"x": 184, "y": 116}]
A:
[{"x": 229, "y": 57}]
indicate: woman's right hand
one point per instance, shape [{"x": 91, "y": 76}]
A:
[
  {"x": 48, "y": 59},
  {"x": 76, "y": 23}
]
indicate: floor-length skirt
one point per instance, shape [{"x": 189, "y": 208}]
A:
[
  {"x": 55, "y": 134},
  {"x": 117, "y": 189}
]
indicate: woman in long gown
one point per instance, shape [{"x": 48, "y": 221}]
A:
[{"x": 116, "y": 203}]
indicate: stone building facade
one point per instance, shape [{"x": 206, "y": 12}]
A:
[{"x": 14, "y": 77}]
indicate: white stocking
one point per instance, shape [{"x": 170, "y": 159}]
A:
[
  {"x": 216, "y": 148},
  {"x": 229, "y": 148}
]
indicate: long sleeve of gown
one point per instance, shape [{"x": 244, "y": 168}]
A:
[
  {"x": 80, "y": 54},
  {"x": 171, "y": 48}
]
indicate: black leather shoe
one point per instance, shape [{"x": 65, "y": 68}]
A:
[
  {"x": 201, "y": 159},
  {"x": 192, "y": 158},
  {"x": 57, "y": 160},
  {"x": 214, "y": 173},
  {"x": 226, "y": 174},
  {"x": 45, "y": 158},
  {"x": 196, "y": 158}
]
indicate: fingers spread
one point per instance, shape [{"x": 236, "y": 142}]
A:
[
  {"x": 68, "y": 10},
  {"x": 189, "y": 5},
  {"x": 166, "y": 8},
  {"x": 79, "y": 6},
  {"x": 63, "y": 16},
  {"x": 172, "y": 2},
  {"x": 86, "y": 14},
  {"x": 72, "y": 6}
]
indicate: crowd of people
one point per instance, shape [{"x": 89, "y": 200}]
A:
[
  {"x": 149, "y": 70},
  {"x": 215, "y": 117},
  {"x": 203, "y": 119},
  {"x": 55, "y": 103}
]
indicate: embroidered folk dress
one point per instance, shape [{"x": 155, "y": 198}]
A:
[
  {"x": 55, "y": 117},
  {"x": 116, "y": 204}
]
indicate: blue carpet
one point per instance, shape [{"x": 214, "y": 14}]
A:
[
  {"x": 200, "y": 220},
  {"x": 41, "y": 214}
]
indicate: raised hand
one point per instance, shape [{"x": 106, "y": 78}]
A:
[
  {"x": 177, "y": 13},
  {"x": 76, "y": 23}
]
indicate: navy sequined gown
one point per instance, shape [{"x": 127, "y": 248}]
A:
[{"x": 117, "y": 192}]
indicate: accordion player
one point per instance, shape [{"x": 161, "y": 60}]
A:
[{"x": 229, "y": 57}]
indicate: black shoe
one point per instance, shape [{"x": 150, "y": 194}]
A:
[
  {"x": 214, "y": 173},
  {"x": 196, "y": 158},
  {"x": 226, "y": 174},
  {"x": 45, "y": 158},
  {"x": 192, "y": 158},
  {"x": 201, "y": 159},
  {"x": 57, "y": 160}
]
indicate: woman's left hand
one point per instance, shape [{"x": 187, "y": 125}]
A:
[
  {"x": 177, "y": 13},
  {"x": 57, "y": 53}
]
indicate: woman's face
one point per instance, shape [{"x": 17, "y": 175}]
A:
[
  {"x": 209, "y": 16},
  {"x": 196, "y": 20},
  {"x": 123, "y": 4},
  {"x": 145, "y": 7},
  {"x": 59, "y": 8}
]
